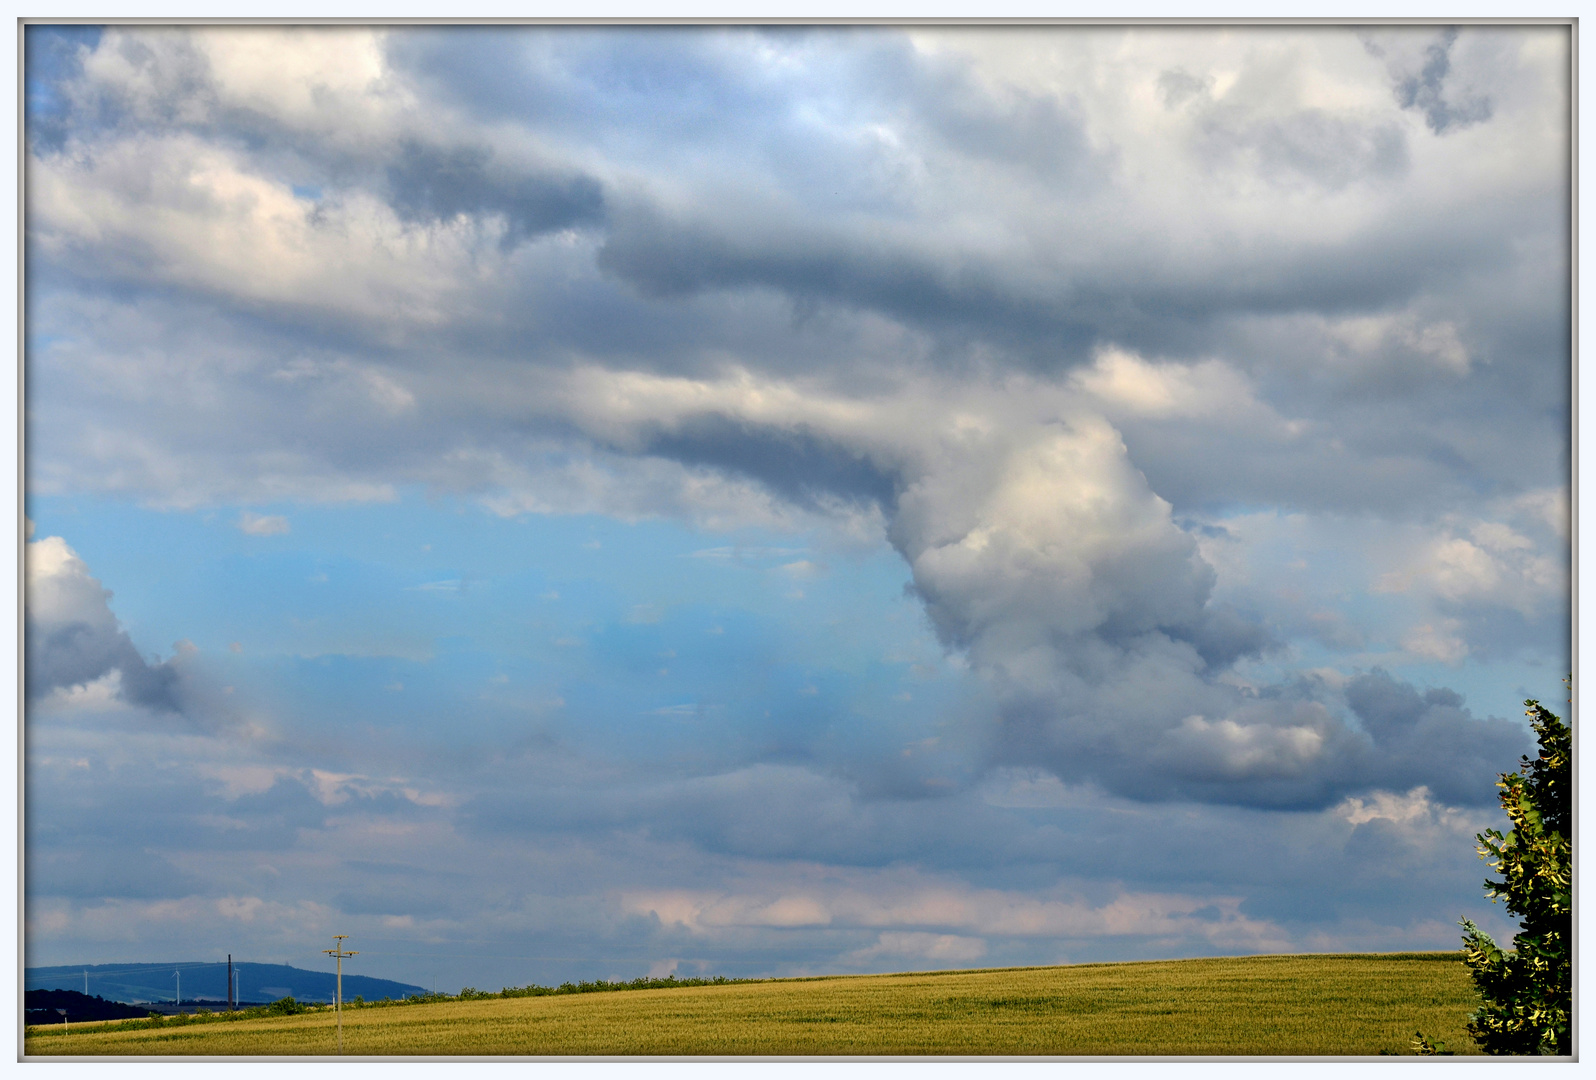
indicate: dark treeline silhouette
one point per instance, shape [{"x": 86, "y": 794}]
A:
[{"x": 39, "y": 1007}]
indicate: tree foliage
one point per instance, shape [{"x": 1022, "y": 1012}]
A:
[{"x": 1525, "y": 1000}]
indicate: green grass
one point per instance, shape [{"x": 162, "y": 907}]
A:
[{"x": 1271, "y": 1005}]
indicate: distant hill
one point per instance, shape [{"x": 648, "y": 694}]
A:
[{"x": 256, "y": 982}]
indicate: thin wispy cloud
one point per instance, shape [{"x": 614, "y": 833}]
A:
[{"x": 252, "y": 524}]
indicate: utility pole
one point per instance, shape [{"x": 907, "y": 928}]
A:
[{"x": 338, "y": 999}]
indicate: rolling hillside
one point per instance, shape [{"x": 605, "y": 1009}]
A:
[
  {"x": 256, "y": 982},
  {"x": 1269, "y": 1005}
]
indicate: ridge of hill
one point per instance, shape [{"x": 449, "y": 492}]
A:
[
  {"x": 208, "y": 979},
  {"x": 46, "y": 1006}
]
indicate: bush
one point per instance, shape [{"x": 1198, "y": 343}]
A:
[{"x": 1427, "y": 1047}]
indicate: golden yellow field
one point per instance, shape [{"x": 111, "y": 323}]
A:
[{"x": 1356, "y": 1004}]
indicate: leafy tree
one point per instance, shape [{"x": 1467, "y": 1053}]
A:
[{"x": 1525, "y": 993}]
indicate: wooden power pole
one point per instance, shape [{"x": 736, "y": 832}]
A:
[{"x": 338, "y": 952}]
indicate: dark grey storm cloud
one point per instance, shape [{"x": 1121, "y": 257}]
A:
[
  {"x": 64, "y": 656},
  {"x": 1432, "y": 739},
  {"x": 1426, "y": 90},
  {"x": 1222, "y": 635},
  {"x": 72, "y": 638},
  {"x": 1293, "y": 748},
  {"x": 441, "y": 182},
  {"x": 667, "y": 258},
  {"x": 795, "y": 464}
]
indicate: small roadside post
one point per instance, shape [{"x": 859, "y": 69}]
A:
[
  {"x": 338, "y": 952},
  {"x": 64, "y": 1025}
]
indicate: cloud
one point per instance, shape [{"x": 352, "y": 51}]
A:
[
  {"x": 287, "y": 75},
  {"x": 1387, "y": 806},
  {"x": 1052, "y": 537},
  {"x": 950, "y": 949},
  {"x": 1431, "y": 738},
  {"x": 111, "y": 870},
  {"x": 915, "y": 902},
  {"x": 1392, "y": 339},
  {"x": 1324, "y": 148},
  {"x": 73, "y": 639},
  {"x": 1485, "y": 586},
  {"x": 433, "y": 183},
  {"x": 804, "y": 870},
  {"x": 1420, "y": 80},
  {"x": 1493, "y": 565},
  {"x": 877, "y": 288},
  {"x": 1039, "y": 551},
  {"x": 1209, "y": 390},
  {"x": 746, "y": 554},
  {"x": 452, "y": 585},
  {"x": 252, "y": 524},
  {"x": 1437, "y": 642}
]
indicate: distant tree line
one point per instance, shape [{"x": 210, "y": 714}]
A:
[{"x": 39, "y": 1007}]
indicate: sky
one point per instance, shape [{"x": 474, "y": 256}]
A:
[{"x": 561, "y": 503}]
